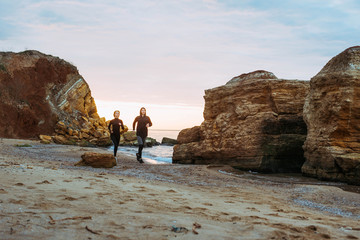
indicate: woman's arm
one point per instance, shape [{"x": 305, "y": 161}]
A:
[
  {"x": 110, "y": 126},
  {"x": 135, "y": 120},
  {"x": 122, "y": 125}
]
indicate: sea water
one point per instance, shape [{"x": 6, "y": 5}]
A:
[{"x": 161, "y": 154}]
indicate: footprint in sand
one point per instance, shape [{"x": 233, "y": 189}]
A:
[
  {"x": 280, "y": 225},
  {"x": 141, "y": 188},
  {"x": 65, "y": 197},
  {"x": 148, "y": 226},
  {"x": 19, "y": 184},
  {"x": 44, "y": 182},
  {"x": 294, "y": 229},
  {"x": 300, "y": 218},
  {"x": 311, "y": 228},
  {"x": 70, "y": 198},
  {"x": 235, "y": 219},
  {"x": 257, "y": 217},
  {"x": 118, "y": 226},
  {"x": 279, "y": 210},
  {"x": 208, "y": 204},
  {"x": 200, "y": 209},
  {"x": 171, "y": 191},
  {"x": 231, "y": 195},
  {"x": 314, "y": 229},
  {"x": 111, "y": 236},
  {"x": 2, "y": 191},
  {"x": 279, "y": 235},
  {"x": 273, "y": 215},
  {"x": 67, "y": 180},
  {"x": 13, "y": 201},
  {"x": 103, "y": 193},
  {"x": 252, "y": 209}
]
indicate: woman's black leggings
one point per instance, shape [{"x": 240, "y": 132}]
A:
[
  {"x": 141, "y": 142},
  {"x": 115, "y": 139}
]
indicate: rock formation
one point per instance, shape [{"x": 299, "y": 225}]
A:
[
  {"x": 42, "y": 94},
  {"x": 332, "y": 115},
  {"x": 253, "y": 122}
]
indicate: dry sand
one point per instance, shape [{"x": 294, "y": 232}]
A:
[{"x": 43, "y": 196}]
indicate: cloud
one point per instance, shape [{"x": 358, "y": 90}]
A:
[{"x": 170, "y": 51}]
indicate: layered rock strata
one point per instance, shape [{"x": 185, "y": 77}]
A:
[
  {"x": 332, "y": 115},
  {"x": 42, "y": 94},
  {"x": 253, "y": 122}
]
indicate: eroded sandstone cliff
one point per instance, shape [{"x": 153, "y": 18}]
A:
[
  {"x": 42, "y": 94},
  {"x": 253, "y": 122},
  {"x": 332, "y": 115}
]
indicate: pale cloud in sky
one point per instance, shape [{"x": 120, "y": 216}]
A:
[{"x": 168, "y": 52}]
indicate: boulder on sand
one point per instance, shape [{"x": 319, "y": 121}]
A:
[
  {"x": 97, "y": 160},
  {"x": 45, "y": 139}
]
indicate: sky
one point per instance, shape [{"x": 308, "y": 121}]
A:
[{"x": 163, "y": 54}]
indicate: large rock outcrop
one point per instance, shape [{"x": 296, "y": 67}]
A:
[
  {"x": 332, "y": 115},
  {"x": 42, "y": 94},
  {"x": 253, "y": 122}
]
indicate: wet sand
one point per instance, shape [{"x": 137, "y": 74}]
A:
[{"x": 43, "y": 196}]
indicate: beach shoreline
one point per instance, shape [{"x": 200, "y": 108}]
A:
[{"x": 43, "y": 195}]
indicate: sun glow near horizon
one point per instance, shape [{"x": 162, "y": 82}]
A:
[{"x": 163, "y": 117}]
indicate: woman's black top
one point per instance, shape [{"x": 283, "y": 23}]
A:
[
  {"x": 141, "y": 129},
  {"x": 116, "y": 123}
]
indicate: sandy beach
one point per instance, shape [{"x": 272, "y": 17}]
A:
[{"x": 43, "y": 196}]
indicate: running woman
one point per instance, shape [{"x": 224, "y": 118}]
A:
[
  {"x": 114, "y": 128},
  {"x": 143, "y": 122}
]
